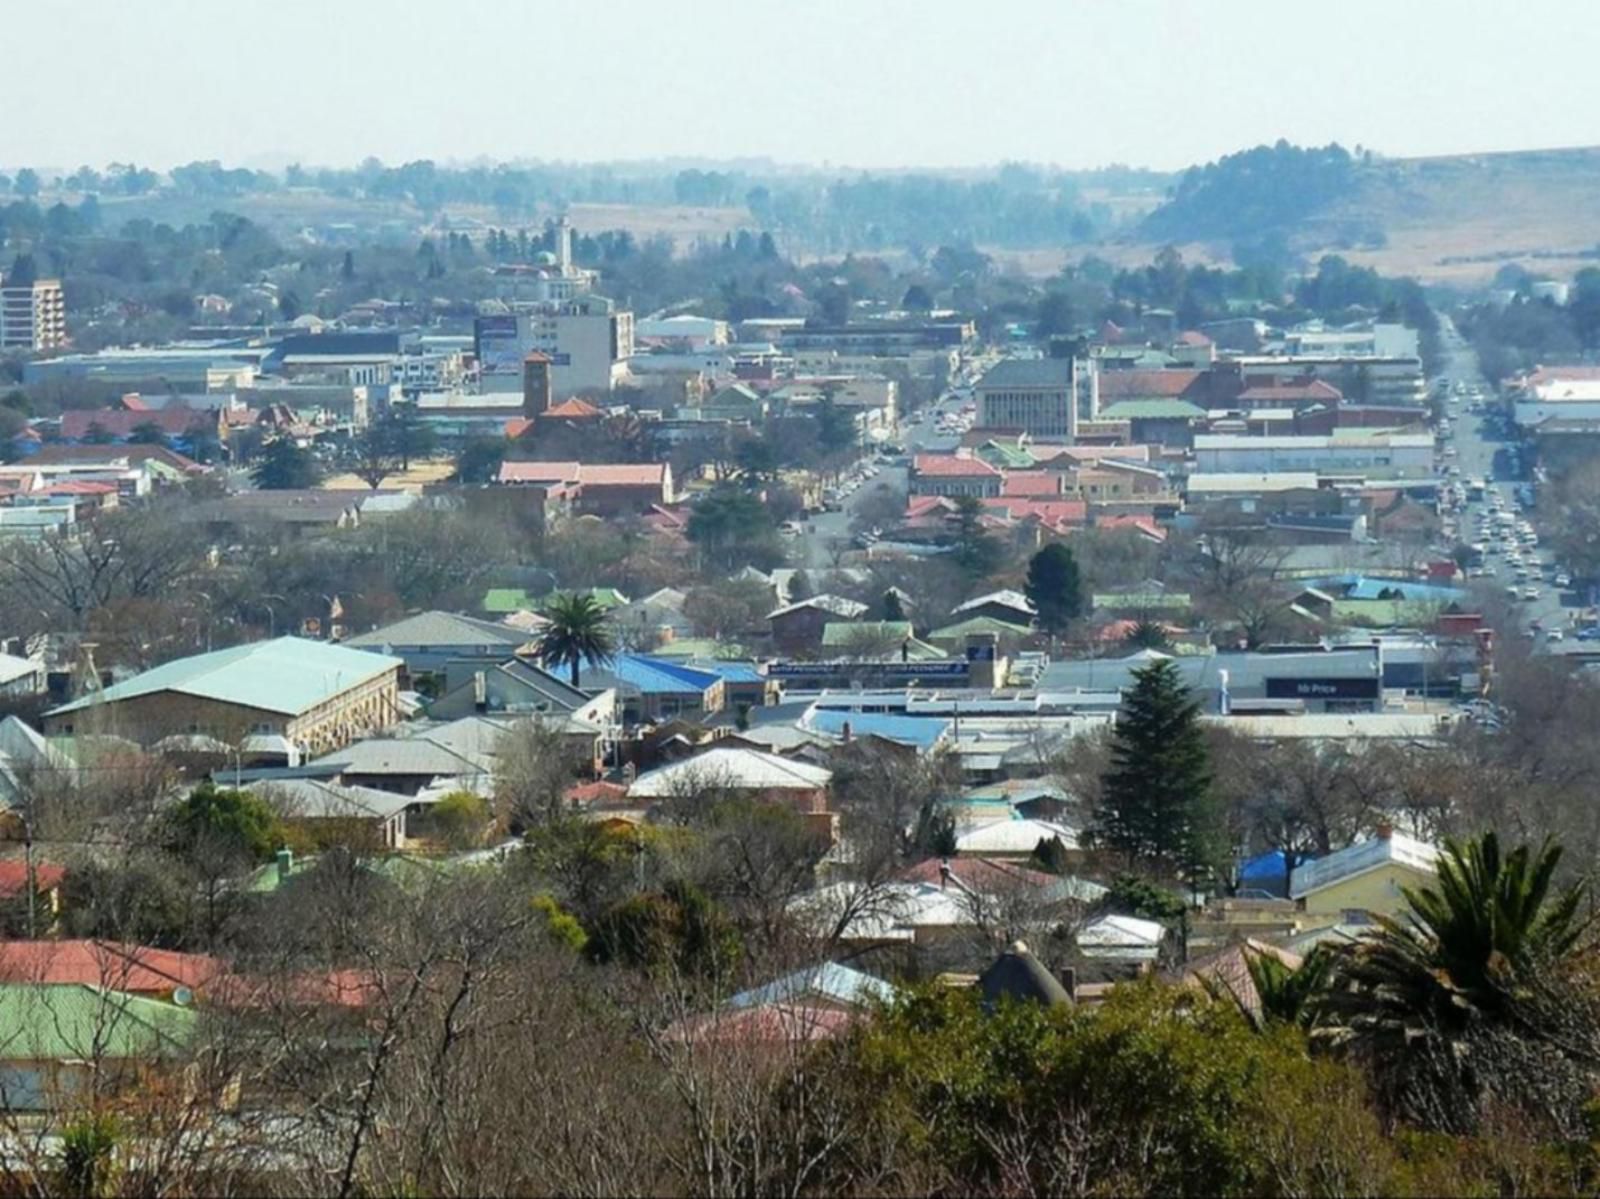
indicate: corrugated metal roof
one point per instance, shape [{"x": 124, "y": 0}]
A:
[
  {"x": 1396, "y": 849},
  {"x": 287, "y": 675},
  {"x": 740, "y": 769},
  {"x": 439, "y": 629}
]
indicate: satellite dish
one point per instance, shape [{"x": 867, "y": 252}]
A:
[{"x": 182, "y": 996}]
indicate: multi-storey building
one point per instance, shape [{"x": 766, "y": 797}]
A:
[
  {"x": 33, "y": 316},
  {"x": 1036, "y": 396}
]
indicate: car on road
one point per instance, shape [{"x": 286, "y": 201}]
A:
[
  {"x": 1555, "y": 635},
  {"x": 789, "y": 528},
  {"x": 1530, "y": 593},
  {"x": 1563, "y": 580}
]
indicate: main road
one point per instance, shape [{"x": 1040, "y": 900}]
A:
[{"x": 1484, "y": 448}]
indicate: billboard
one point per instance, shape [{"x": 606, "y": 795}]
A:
[
  {"x": 499, "y": 345},
  {"x": 1349, "y": 688}
]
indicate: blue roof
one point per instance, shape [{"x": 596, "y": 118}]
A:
[
  {"x": 1361, "y": 587},
  {"x": 839, "y": 983},
  {"x": 921, "y": 731},
  {"x": 657, "y": 676},
  {"x": 729, "y": 672}
]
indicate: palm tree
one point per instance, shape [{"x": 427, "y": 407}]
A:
[
  {"x": 1467, "y": 963},
  {"x": 1289, "y": 994},
  {"x": 578, "y": 632},
  {"x": 1147, "y": 634}
]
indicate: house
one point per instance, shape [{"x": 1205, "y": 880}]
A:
[
  {"x": 827, "y": 985},
  {"x": 129, "y": 969},
  {"x": 599, "y": 489},
  {"x": 428, "y": 641},
  {"x": 405, "y": 766},
  {"x": 21, "y": 677},
  {"x": 288, "y": 696},
  {"x": 954, "y": 475},
  {"x": 1010, "y": 607},
  {"x": 1364, "y": 879},
  {"x": 1126, "y": 939},
  {"x": 62, "y": 1041},
  {"x": 25, "y": 754},
  {"x": 747, "y": 773},
  {"x": 1013, "y": 839},
  {"x": 649, "y": 690},
  {"x": 798, "y": 628},
  {"x": 325, "y": 813},
  {"x": 516, "y": 687},
  {"x": 647, "y": 622}
]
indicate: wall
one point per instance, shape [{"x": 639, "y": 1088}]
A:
[{"x": 1376, "y": 891}]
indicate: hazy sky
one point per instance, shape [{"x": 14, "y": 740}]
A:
[{"x": 868, "y": 82}]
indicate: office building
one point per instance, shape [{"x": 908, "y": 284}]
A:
[
  {"x": 1036, "y": 396},
  {"x": 33, "y": 316}
]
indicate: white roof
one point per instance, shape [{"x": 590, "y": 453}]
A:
[
  {"x": 1124, "y": 937},
  {"x": 1226, "y": 481},
  {"x": 836, "y": 604},
  {"x": 1007, "y": 597},
  {"x": 891, "y": 912},
  {"x": 1230, "y": 441},
  {"x": 737, "y": 769},
  {"x": 1013, "y": 836},
  {"x": 1396, "y": 849},
  {"x": 1333, "y": 726},
  {"x": 13, "y": 668}
]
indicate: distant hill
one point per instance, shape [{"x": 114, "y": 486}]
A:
[{"x": 1446, "y": 219}]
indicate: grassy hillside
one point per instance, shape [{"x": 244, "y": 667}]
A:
[{"x": 1450, "y": 219}]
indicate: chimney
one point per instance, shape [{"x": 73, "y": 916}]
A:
[
  {"x": 535, "y": 386},
  {"x": 1385, "y": 831},
  {"x": 480, "y": 690},
  {"x": 285, "y": 864},
  {"x": 1224, "y": 699},
  {"x": 944, "y": 873},
  {"x": 846, "y": 732}
]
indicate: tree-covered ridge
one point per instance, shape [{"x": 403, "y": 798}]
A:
[{"x": 1253, "y": 190}]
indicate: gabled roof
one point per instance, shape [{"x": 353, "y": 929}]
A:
[
  {"x": 287, "y": 675},
  {"x": 1160, "y": 409},
  {"x": 836, "y": 605},
  {"x": 1145, "y": 384},
  {"x": 119, "y": 967},
  {"x": 827, "y": 980},
  {"x": 736, "y": 769},
  {"x": 952, "y": 466},
  {"x": 441, "y": 629},
  {"x": 1006, "y": 598},
  {"x": 1396, "y": 849},
  {"x": 656, "y": 676},
  {"x": 1024, "y": 484},
  {"x": 841, "y": 633},
  {"x": 316, "y": 799},
  {"x": 1013, "y": 836},
  {"x": 574, "y": 409},
  {"x": 89, "y": 1023}
]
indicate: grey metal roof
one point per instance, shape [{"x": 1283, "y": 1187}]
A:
[
  {"x": 315, "y": 799},
  {"x": 287, "y": 675},
  {"x": 439, "y": 629},
  {"x": 1247, "y": 672}
]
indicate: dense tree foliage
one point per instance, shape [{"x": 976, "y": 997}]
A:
[{"x": 1253, "y": 190}]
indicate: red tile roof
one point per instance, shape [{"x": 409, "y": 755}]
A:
[
  {"x": 575, "y": 409},
  {"x": 517, "y": 426},
  {"x": 174, "y": 421},
  {"x": 14, "y": 877},
  {"x": 1058, "y": 513},
  {"x": 135, "y": 968},
  {"x": 981, "y": 874},
  {"x": 1142, "y": 524},
  {"x": 952, "y": 466},
  {"x": 1035, "y": 484},
  {"x": 1305, "y": 390},
  {"x": 1146, "y": 384},
  {"x": 645, "y": 474}
]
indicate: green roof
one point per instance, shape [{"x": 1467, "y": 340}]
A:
[
  {"x": 287, "y": 675},
  {"x": 1384, "y": 614},
  {"x": 1152, "y": 410},
  {"x": 501, "y": 600},
  {"x": 699, "y": 647},
  {"x": 45, "y": 1022},
  {"x": 979, "y": 624},
  {"x": 1006, "y": 454}
]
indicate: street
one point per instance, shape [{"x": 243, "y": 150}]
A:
[{"x": 1481, "y": 450}]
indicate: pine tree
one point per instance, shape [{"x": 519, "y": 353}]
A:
[
  {"x": 1156, "y": 798},
  {"x": 1055, "y": 588},
  {"x": 892, "y": 608}
]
